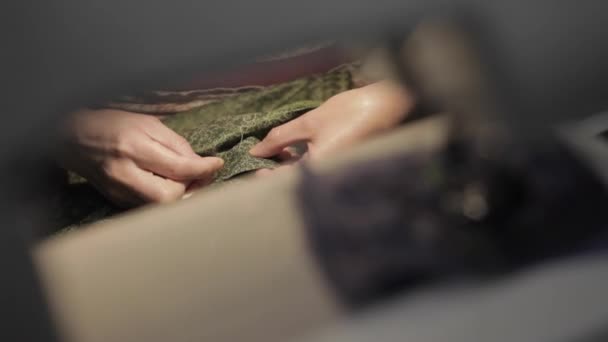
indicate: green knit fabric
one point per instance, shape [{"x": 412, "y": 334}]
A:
[{"x": 226, "y": 129}]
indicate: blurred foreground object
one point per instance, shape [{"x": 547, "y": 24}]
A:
[{"x": 492, "y": 200}]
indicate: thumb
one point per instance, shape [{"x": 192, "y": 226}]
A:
[
  {"x": 155, "y": 157},
  {"x": 170, "y": 139},
  {"x": 283, "y": 136}
]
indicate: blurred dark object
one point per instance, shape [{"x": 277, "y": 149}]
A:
[
  {"x": 390, "y": 225},
  {"x": 499, "y": 196}
]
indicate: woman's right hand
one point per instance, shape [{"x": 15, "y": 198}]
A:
[
  {"x": 341, "y": 122},
  {"x": 133, "y": 159}
]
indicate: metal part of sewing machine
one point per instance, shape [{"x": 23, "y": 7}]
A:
[{"x": 498, "y": 163}]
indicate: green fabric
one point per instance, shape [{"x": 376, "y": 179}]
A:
[
  {"x": 220, "y": 135},
  {"x": 227, "y": 129}
]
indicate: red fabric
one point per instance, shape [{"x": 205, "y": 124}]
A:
[{"x": 272, "y": 72}]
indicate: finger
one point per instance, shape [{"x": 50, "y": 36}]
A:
[
  {"x": 127, "y": 185},
  {"x": 288, "y": 154},
  {"x": 283, "y": 136},
  {"x": 328, "y": 146},
  {"x": 154, "y": 157},
  {"x": 150, "y": 187},
  {"x": 118, "y": 194},
  {"x": 170, "y": 139},
  {"x": 263, "y": 172},
  {"x": 188, "y": 194}
]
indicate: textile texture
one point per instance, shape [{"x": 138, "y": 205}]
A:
[{"x": 226, "y": 125}]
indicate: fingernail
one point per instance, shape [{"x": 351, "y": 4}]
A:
[{"x": 255, "y": 149}]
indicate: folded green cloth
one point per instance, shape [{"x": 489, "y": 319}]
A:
[
  {"x": 227, "y": 129},
  {"x": 231, "y": 137}
]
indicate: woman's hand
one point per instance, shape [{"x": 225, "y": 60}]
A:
[
  {"x": 133, "y": 158},
  {"x": 340, "y": 122}
]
